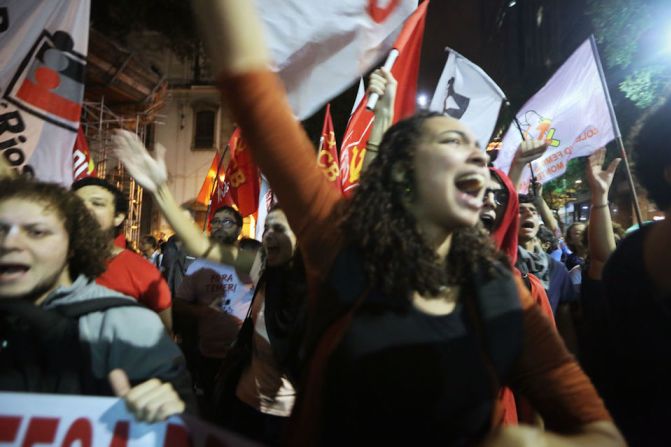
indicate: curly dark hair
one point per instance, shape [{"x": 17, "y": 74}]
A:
[
  {"x": 88, "y": 246},
  {"x": 396, "y": 258},
  {"x": 651, "y": 156}
]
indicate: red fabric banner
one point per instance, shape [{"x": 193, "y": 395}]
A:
[
  {"x": 82, "y": 163},
  {"x": 240, "y": 185},
  {"x": 405, "y": 70},
  {"x": 327, "y": 158}
]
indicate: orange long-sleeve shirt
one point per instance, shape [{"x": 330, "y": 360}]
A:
[{"x": 545, "y": 372}]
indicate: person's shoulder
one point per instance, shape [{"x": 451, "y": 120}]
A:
[
  {"x": 204, "y": 264},
  {"x": 628, "y": 256},
  {"x": 135, "y": 264},
  {"x": 134, "y": 323}
]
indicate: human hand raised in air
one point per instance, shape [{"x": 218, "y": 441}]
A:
[
  {"x": 383, "y": 83},
  {"x": 149, "y": 172},
  {"x": 600, "y": 179},
  {"x": 529, "y": 150}
]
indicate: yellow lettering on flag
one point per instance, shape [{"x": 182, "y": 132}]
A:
[
  {"x": 237, "y": 178},
  {"x": 328, "y": 164},
  {"x": 356, "y": 163}
]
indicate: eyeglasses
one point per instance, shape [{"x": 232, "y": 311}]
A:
[
  {"x": 500, "y": 195},
  {"x": 223, "y": 222}
]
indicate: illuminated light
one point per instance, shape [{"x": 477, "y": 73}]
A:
[
  {"x": 585, "y": 207},
  {"x": 512, "y": 3},
  {"x": 577, "y": 182},
  {"x": 657, "y": 217},
  {"x": 422, "y": 100}
]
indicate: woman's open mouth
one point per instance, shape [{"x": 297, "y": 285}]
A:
[
  {"x": 11, "y": 272},
  {"x": 471, "y": 187}
]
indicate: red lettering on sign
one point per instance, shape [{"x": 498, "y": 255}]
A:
[
  {"x": 40, "y": 431},
  {"x": 556, "y": 168},
  {"x": 379, "y": 14},
  {"x": 81, "y": 431},
  {"x": 120, "y": 436},
  {"x": 9, "y": 427}
]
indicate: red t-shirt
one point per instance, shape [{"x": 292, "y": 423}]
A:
[{"x": 133, "y": 275}]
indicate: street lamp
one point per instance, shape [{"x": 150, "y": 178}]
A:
[{"x": 422, "y": 101}]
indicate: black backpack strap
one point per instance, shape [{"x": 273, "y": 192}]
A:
[{"x": 81, "y": 308}]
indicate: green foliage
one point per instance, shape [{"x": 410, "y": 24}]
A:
[
  {"x": 559, "y": 190},
  {"x": 619, "y": 26},
  {"x": 630, "y": 35},
  {"x": 643, "y": 86}
]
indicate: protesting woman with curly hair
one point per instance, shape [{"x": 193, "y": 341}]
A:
[{"x": 415, "y": 321}]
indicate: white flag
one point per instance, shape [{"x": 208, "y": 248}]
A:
[
  {"x": 466, "y": 93},
  {"x": 320, "y": 47},
  {"x": 265, "y": 202},
  {"x": 43, "y": 46},
  {"x": 572, "y": 110}
]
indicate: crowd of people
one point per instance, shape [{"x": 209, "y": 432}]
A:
[{"x": 437, "y": 305}]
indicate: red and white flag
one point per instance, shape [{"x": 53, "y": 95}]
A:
[
  {"x": 405, "y": 70},
  {"x": 82, "y": 163},
  {"x": 320, "y": 47},
  {"x": 43, "y": 46},
  {"x": 572, "y": 110},
  {"x": 211, "y": 181},
  {"x": 327, "y": 158}
]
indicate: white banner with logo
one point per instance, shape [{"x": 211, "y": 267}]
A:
[
  {"x": 465, "y": 92},
  {"x": 45, "y": 419},
  {"x": 320, "y": 47},
  {"x": 571, "y": 111},
  {"x": 43, "y": 46}
]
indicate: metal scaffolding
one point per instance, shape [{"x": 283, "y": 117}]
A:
[{"x": 99, "y": 121}]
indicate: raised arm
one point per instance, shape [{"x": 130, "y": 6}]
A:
[
  {"x": 384, "y": 84},
  {"x": 152, "y": 175},
  {"x": 545, "y": 211},
  {"x": 527, "y": 151},
  {"x": 600, "y": 229},
  {"x": 279, "y": 145}
]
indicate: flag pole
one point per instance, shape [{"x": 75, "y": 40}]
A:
[
  {"x": 214, "y": 186},
  {"x": 519, "y": 128},
  {"x": 618, "y": 135},
  {"x": 388, "y": 65}
]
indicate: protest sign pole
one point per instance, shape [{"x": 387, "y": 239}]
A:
[
  {"x": 618, "y": 135},
  {"x": 388, "y": 65},
  {"x": 519, "y": 128}
]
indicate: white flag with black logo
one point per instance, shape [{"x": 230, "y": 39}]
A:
[
  {"x": 466, "y": 93},
  {"x": 43, "y": 47}
]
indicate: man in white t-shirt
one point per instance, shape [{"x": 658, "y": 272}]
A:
[{"x": 218, "y": 299}]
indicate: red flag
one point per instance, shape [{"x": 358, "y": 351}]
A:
[
  {"x": 215, "y": 191},
  {"x": 405, "y": 70},
  {"x": 82, "y": 163},
  {"x": 206, "y": 190},
  {"x": 327, "y": 159},
  {"x": 242, "y": 177}
]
